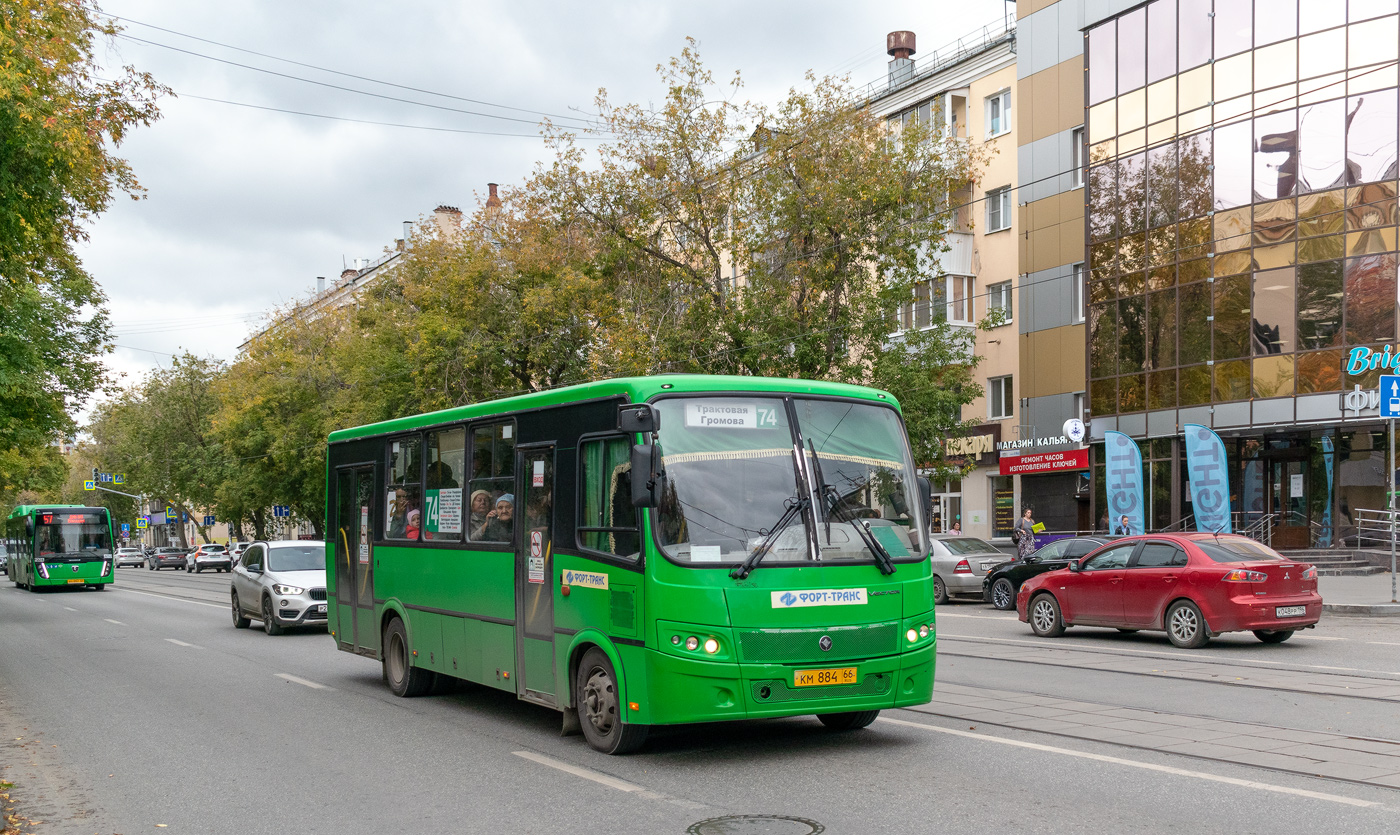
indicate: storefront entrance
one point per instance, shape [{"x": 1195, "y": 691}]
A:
[{"x": 1286, "y": 497}]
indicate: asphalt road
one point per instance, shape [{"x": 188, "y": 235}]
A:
[{"x": 125, "y": 710}]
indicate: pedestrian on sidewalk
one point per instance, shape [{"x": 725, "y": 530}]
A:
[{"x": 1024, "y": 535}]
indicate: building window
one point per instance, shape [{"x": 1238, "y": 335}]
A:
[
  {"x": 999, "y": 209},
  {"x": 999, "y": 301},
  {"x": 1076, "y": 157},
  {"x": 999, "y": 114},
  {"x": 1076, "y": 293},
  {"x": 999, "y": 397},
  {"x": 960, "y": 295}
]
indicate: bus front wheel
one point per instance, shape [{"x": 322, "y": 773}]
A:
[
  {"x": 403, "y": 678},
  {"x": 848, "y": 721},
  {"x": 599, "y": 706}
]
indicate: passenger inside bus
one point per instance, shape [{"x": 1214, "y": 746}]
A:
[{"x": 499, "y": 525}]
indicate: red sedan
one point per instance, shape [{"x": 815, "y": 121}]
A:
[{"x": 1194, "y": 586}]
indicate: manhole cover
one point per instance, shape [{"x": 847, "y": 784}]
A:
[{"x": 756, "y": 825}]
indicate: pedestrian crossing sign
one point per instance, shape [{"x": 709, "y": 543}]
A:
[{"x": 89, "y": 484}]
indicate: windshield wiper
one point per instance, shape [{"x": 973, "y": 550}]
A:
[
  {"x": 827, "y": 491},
  {"x": 823, "y": 489},
  {"x": 882, "y": 557},
  {"x": 794, "y": 506}
]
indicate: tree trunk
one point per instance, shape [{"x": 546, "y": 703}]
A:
[{"x": 259, "y": 524}]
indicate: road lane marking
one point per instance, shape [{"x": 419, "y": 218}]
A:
[
  {"x": 605, "y": 779},
  {"x": 1116, "y": 650},
  {"x": 1318, "y": 638},
  {"x": 180, "y": 643},
  {"x": 1006, "y": 617},
  {"x": 70, "y": 608},
  {"x": 1165, "y": 769},
  {"x": 1383, "y": 643},
  {"x": 296, "y": 680},
  {"x": 117, "y": 622},
  {"x": 173, "y": 597}
]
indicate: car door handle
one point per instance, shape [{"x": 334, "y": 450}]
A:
[
  {"x": 1170, "y": 578},
  {"x": 1115, "y": 579}
]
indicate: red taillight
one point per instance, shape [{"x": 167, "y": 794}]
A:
[
  {"x": 1311, "y": 573},
  {"x": 962, "y": 568},
  {"x": 1239, "y": 575}
]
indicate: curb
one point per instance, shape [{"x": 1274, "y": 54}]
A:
[{"x": 1373, "y": 609}]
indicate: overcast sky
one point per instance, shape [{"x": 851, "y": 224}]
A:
[{"x": 246, "y": 207}]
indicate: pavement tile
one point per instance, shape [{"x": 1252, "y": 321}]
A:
[
  {"x": 1203, "y": 749},
  {"x": 1180, "y": 721},
  {"x": 1325, "y": 753},
  {"x": 1122, "y": 713},
  {"x": 1255, "y": 742},
  {"x": 1295, "y": 735},
  {"x": 1350, "y": 771},
  {"x": 1139, "y": 726},
  {"x": 1103, "y": 734},
  {"x": 1146, "y": 740},
  {"x": 1047, "y": 712},
  {"x": 1375, "y": 746},
  {"x": 1200, "y": 735},
  {"x": 1049, "y": 725},
  {"x": 1392, "y": 780},
  {"x": 1268, "y": 759}
]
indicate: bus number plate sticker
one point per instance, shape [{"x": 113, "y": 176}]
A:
[
  {"x": 728, "y": 415},
  {"x": 821, "y": 678},
  {"x": 587, "y": 579},
  {"x": 818, "y": 597}
]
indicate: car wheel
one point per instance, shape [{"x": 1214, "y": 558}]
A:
[
  {"x": 1045, "y": 616},
  {"x": 940, "y": 591},
  {"x": 1185, "y": 626},
  {"x": 240, "y": 621},
  {"x": 1003, "y": 595},
  {"x": 270, "y": 625},
  {"x": 403, "y": 678},
  {"x": 1273, "y": 637},
  {"x": 848, "y": 721},
  {"x": 599, "y": 706}
]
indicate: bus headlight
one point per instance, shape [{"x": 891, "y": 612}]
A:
[
  {"x": 692, "y": 643},
  {"x": 711, "y": 646},
  {"x": 912, "y": 635},
  {"x": 106, "y": 566},
  {"x": 44, "y": 570}
]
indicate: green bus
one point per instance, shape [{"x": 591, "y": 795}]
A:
[
  {"x": 644, "y": 551},
  {"x": 59, "y": 545}
]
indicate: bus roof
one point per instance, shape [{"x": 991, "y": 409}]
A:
[
  {"x": 635, "y": 389},
  {"x": 26, "y": 509}
]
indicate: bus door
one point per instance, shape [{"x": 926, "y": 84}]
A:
[
  {"x": 355, "y": 626},
  {"x": 534, "y": 572}
]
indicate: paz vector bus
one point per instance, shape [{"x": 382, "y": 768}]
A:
[
  {"x": 59, "y": 545},
  {"x": 638, "y": 552}
]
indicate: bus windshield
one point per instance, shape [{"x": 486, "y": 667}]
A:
[
  {"x": 59, "y": 533},
  {"x": 732, "y": 473}
]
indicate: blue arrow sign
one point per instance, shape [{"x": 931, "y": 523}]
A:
[{"x": 1390, "y": 396}]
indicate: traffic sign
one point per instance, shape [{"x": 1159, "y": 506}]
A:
[
  {"x": 142, "y": 522},
  {"x": 208, "y": 520},
  {"x": 126, "y": 528},
  {"x": 119, "y": 478},
  {"x": 281, "y": 510},
  {"x": 89, "y": 484},
  {"x": 1390, "y": 396}
]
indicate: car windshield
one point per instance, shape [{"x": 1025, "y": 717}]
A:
[
  {"x": 732, "y": 473},
  {"x": 1237, "y": 550},
  {"x": 62, "y": 532},
  {"x": 965, "y": 545},
  {"x": 297, "y": 558}
]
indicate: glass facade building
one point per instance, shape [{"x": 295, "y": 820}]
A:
[{"x": 1240, "y": 245}]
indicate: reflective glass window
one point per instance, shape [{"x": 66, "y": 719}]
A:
[
  {"x": 1103, "y": 71},
  {"x": 1371, "y": 206},
  {"x": 1161, "y": 329},
  {"x": 1319, "y": 305},
  {"x": 1322, "y": 248},
  {"x": 1161, "y": 247},
  {"x": 1278, "y": 255},
  {"x": 1316, "y": 15},
  {"x": 1161, "y": 40},
  {"x": 1193, "y": 40},
  {"x": 1103, "y": 396},
  {"x": 1320, "y": 213},
  {"x": 1132, "y": 50},
  {"x": 1231, "y": 263},
  {"x": 1370, "y": 299},
  {"x": 1363, "y": 9},
  {"x": 1132, "y": 110},
  {"x": 1161, "y": 389},
  {"x": 1274, "y": 20},
  {"x": 1374, "y": 77},
  {"x": 1161, "y": 100},
  {"x": 1273, "y": 376},
  {"x": 1322, "y": 53},
  {"x": 1132, "y": 195},
  {"x": 1103, "y": 124},
  {"x": 1232, "y": 380},
  {"x": 1103, "y": 340},
  {"x": 1275, "y": 222},
  {"x": 1371, "y": 127},
  {"x": 1233, "y": 28},
  {"x": 1232, "y": 229},
  {"x": 1132, "y": 334},
  {"x": 1132, "y": 251},
  {"x": 1194, "y": 164},
  {"x": 1190, "y": 271},
  {"x": 404, "y": 509},
  {"x": 1234, "y": 147},
  {"x": 1194, "y": 385},
  {"x": 1321, "y": 129},
  {"x": 1319, "y": 371},
  {"x": 1275, "y": 65},
  {"x": 1371, "y": 42},
  {"x": 1195, "y": 323},
  {"x": 1194, "y": 89},
  {"x": 1273, "y": 330},
  {"x": 1132, "y": 393},
  {"x": 1232, "y": 317},
  {"x": 1233, "y": 77}
]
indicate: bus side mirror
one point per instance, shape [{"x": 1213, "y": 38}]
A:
[
  {"x": 639, "y": 417},
  {"x": 926, "y": 498},
  {"x": 646, "y": 475}
]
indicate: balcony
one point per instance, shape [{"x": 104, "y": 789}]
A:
[{"x": 957, "y": 260}]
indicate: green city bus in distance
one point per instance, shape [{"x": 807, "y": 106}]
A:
[
  {"x": 59, "y": 545},
  {"x": 638, "y": 552}
]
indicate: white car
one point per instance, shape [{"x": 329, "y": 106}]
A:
[
  {"x": 281, "y": 584},
  {"x": 130, "y": 558}
]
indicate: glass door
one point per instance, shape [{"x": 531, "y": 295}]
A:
[
  {"x": 354, "y": 553},
  {"x": 1288, "y": 501},
  {"x": 534, "y": 580}
]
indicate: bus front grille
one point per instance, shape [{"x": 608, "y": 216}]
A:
[
  {"x": 804, "y": 645},
  {"x": 779, "y": 690}
]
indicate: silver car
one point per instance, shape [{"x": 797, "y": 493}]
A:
[
  {"x": 130, "y": 557},
  {"x": 280, "y": 583},
  {"x": 960, "y": 563}
]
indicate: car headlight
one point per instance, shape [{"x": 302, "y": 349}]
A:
[{"x": 278, "y": 588}]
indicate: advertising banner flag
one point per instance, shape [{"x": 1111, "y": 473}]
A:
[
  {"x": 1206, "y": 468},
  {"x": 1123, "y": 478}
]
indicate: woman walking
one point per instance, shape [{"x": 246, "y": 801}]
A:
[{"x": 1025, "y": 535}]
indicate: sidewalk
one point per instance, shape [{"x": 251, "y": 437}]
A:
[{"x": 1364, "y": 595}]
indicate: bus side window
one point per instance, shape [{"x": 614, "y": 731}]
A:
[
  {"x": 442, "y": 492},
  {"x": 608, "y": 522},
  {"x": 404, "y": 510},
  {"x": 492, "y": 504}
]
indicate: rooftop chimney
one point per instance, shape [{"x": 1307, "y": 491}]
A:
[
  {"x": 494, "y": 200},
  {"x": 320, "y": 284},
  {"x": 348, "y": 274},
  {"x": 448, "y": 219},
  {"x": 900, "y": 45}
]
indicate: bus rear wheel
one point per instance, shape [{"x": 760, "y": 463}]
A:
[
  {"x": 599, "y": 707},
  {"x": 403, "y": 678},
  {"x": 848, "y": 721}
]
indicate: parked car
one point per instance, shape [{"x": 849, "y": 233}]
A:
[
  {"x": 236, "y": 549},
  {"x": 280, "y": 583},
  {"x": 1194, "y": 586},
  {"x": 960, "y": 563},
  {"x": 1000, "y": 585},
  {"x": 130, "y": 557},
  {"x": 210, "y": 555},
  {"x": 166, "y": 557},
  {"x": 4, "y": 556}
]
